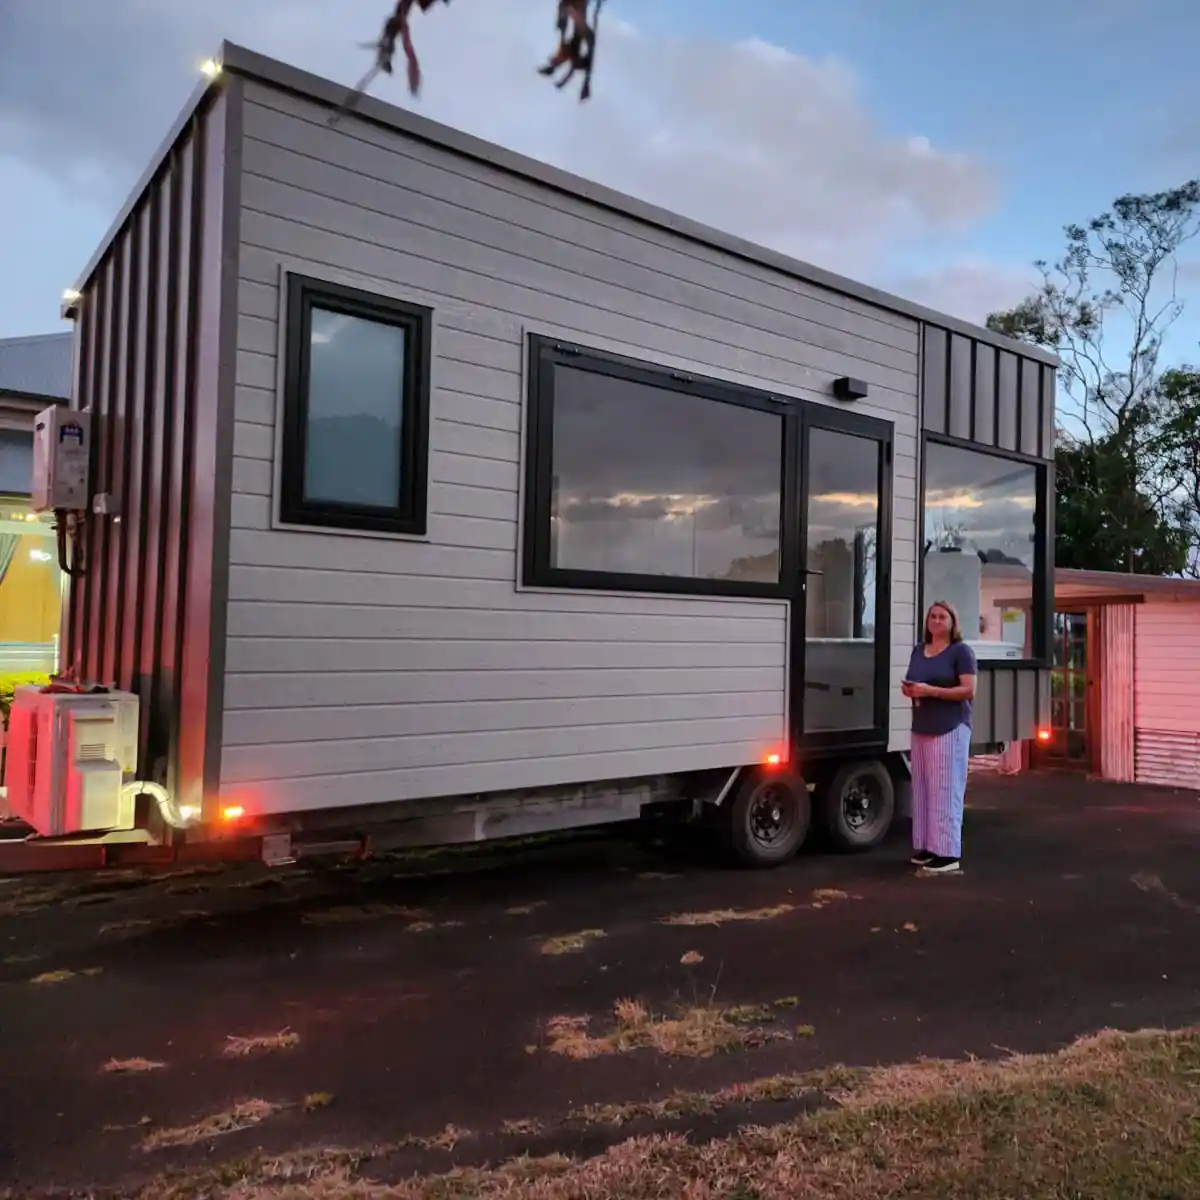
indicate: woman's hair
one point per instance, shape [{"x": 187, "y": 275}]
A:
[{"x": 955, "y": 628}]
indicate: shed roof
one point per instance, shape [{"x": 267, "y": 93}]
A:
[
  {"x": 235, "y": 60},
  {"x": 1071, "y": 584},
  {"x": 38, "y": 366}
]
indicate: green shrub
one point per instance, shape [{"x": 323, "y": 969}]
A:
[{"x": 9, "y": 684}]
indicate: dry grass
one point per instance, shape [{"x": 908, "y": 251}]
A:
[
  {"x": 315, "y": 1101},
  {"x": 241, "y": 1116},
  {"x": 697, "y": 1032},
  {"x": 127, "y": 928},
  {"x": 720, "y": 916},
  {"x": 522, "y": 1128},
  {"x": 571, "y": 943},
  {"x": 341, "y": 914},
  {"x": 693, "y": 958},
  {"x": 523, "y": 910},
  {"x": 774, "y": 1089},
  {"x": 132, "y": 1066},
  {"x": 429, "y": 926},
  {"x": 445, "y": 1139},
  {"x": 1153, "y": 885},
  {"x": 1112, "y": 1118},
  {"x": 60, "y": 976},
  {"x": 270, "y": 1043}
]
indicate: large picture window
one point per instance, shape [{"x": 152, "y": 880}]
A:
[
  {"x": 356, "y": 409},
  {"x": 644, "y": 480},
  {"x": 982, "y": 550}
]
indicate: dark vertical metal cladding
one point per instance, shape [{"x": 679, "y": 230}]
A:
[
  {"x": 935, "y": 378},
  {"x": 118, "y": 423},
  {"x": 155, "y": 750},
  {"x": 1007, "y": 377},
  {"x": 101, "y": 405},
  {"x": 132, "y": 508},
  {"x": 188, "y": 708},
  {"x": 175, "y": 501},
  {"x": 109, "y": 437},
  {"x": 1049, "y": 434},
  {"x": 1004, "y": 705},
  {"x": 960, "y": 401},
  {"x": 85, "y": 339},
  {"x": 985, "y": 394},
  {"x": 1031, "y": 407},
  {"x": 1027, "y": 702},
  {"x": 981, "y": 708}
]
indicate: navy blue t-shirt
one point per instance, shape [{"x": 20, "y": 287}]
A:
[{"x": 942, "y": 670}]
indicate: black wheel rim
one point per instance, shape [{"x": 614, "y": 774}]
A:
[
  {"x": 772, "y": 816},
  {"x": 862, "y": 803}
]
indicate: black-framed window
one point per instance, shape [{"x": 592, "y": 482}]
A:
[
  {"x": 356, "y": 415},
  {"x": 985, "y": 547},
  {"x": 640, "y": 479}
]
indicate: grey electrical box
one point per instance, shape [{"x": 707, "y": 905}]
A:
[{"x": 62, "y": 446}]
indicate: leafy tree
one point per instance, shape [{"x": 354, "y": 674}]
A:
[
  {"x": 1104, "y": 521},
  {"x": 1177, "y": 448},
  {"x": 1104, "y": 309}
]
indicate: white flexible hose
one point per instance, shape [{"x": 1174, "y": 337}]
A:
[{"x": 166, "y": 806}]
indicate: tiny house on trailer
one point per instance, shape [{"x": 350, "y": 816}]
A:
[{"x": 437, "y": 487}]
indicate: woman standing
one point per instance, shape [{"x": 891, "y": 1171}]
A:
[{"x": 941, "y": 685}]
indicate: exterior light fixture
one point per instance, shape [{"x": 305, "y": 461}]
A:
[{"x": 848, "y": 388}]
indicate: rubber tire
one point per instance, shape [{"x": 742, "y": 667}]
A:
[
  {"x": 832, "y": 815},
  {"x": 737, "y": 813}
]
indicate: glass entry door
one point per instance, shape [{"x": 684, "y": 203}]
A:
[
  {"x": 840, "y": 678},
  {"x": 1070, "y": 743}
]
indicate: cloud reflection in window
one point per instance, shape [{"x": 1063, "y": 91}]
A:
[{"x": 652, "y": 481}]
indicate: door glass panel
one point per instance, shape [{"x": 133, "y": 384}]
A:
[
  {"x": 1068, "y": 689},
  {"x": 843, "y": 530}
]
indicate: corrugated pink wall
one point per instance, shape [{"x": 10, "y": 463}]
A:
[
  {"x": 1116, "y": 625},
  {"x": 1167, "y": 694}
]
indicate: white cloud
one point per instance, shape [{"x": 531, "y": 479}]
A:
[
  {"x": 749, "y": 137},
  {"x": 970, "y": 289}
]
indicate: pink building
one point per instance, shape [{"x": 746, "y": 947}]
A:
[{"x": 1125, "y": 681}]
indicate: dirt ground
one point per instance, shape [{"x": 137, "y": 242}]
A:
[{"x": 560, "y": 998}]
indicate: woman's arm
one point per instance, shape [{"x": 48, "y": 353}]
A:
[{"x": 963, "y": 690}]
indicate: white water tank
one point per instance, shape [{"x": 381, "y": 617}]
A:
[{"x": 69, "y": 756}]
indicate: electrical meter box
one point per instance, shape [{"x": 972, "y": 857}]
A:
[{"x": 62, "y": 447}]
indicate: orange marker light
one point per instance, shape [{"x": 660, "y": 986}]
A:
[
  {"x": 774, "y": 759},
  {"x": 1043, "y": 735},
  {"x": 233, "y": 812}
]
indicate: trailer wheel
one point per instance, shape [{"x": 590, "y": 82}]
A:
[
  {"x": 857, "y": 804},
  {"x": 768, "y": 818}
]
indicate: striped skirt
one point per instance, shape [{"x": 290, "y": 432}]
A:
[{"x": 939, "y": 787}]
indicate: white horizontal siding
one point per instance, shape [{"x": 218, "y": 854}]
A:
[
  {"x": 1166, "y": 670},
  {"x": 366, "y": 669},
  {"x": 1166, "y": 687}
]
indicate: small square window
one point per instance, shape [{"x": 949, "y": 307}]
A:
[{"x": 356, "y": 409}]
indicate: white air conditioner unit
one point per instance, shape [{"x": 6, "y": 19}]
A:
[{"x": 69, "y": 757}]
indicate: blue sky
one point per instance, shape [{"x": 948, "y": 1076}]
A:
[{"x": 1035, "y": 114}]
